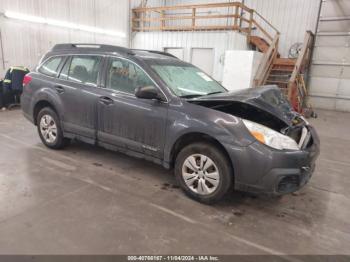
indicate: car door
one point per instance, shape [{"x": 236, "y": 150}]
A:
[
  {"x": 125, "y": 120},
  {"x": 78, "y": 86}
]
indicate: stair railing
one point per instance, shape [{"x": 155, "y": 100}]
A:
[
  {"x": 269, "y": 57},
  {"x": 266, "y": 63},
  {"x": 235, "y": 16},
  {"x": 188, "y": 17},
  {"x": 262, "y": 29},
  {"x": 302, "y": 62}
]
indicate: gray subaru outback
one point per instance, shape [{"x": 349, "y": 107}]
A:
[{"x": 151, "y": 105}]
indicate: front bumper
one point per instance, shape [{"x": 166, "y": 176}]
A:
[{"x": 259, "y": 168}]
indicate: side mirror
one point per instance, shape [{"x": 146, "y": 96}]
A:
[{"x": 148, "y": 92}]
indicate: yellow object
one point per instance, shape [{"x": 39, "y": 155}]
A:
[{"x": 22, "y": 68}]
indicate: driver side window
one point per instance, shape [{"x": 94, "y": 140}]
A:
[{"x": 125, "y": 76}]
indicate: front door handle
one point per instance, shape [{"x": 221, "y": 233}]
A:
[
  {"x": 106, "y": 100},
  {"x": 59, "y": 89}
]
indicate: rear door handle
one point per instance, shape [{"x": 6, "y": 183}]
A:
[
  {"x": 59, "y": 89},
  {"x": 106, "y": 100}
]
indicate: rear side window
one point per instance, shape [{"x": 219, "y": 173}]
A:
[
  {"x": 50, "y": 67},
  {"x": 82, "y": 69}
]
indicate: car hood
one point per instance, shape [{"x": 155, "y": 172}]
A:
[{"x": 268, "y": 99}]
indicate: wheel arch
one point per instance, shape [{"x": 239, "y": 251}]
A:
[
  {"x": 194, "y": 137},
  {"x": 40, "y": 105}
]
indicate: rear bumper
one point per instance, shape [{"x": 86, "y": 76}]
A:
[
  {"x": 26, "y": 107},
  {"x": 261, "y": 169}
]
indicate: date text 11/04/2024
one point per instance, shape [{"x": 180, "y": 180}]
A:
[{"x": 173, "y": 258}]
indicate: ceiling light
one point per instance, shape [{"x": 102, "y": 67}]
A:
[{"x": 64, "y": 24}]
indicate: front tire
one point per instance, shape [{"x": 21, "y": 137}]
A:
[
  {"x": 49, "y": 129},
  {"x": 203, "y": 172}
]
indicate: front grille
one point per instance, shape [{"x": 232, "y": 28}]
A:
[{"x": 288, "y": 184}]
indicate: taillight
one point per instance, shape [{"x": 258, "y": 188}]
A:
[{"x": 26, "y": 80}]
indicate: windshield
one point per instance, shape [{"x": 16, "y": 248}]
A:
[{"x": 187, "y": 81}]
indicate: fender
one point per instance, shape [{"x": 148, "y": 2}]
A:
[
  {"x": 48, "y": 95},
  {"x": 220, "y": 126}
]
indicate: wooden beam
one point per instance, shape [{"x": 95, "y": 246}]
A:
[
  {"x": 163, "y": 20},
  {"x": 266, "y": 63},
  {"x": 262, "y": 30},
  {"x": 267, "y": 22},
  {"x": 250, "y": 25},
  {"x": 189, "y": 17},
  {"x": 189, "y": 28},
  {"x": 193, "y": 17},
  {"x": 179, "y": 7},
  {"x": 300, "y": 59},
  {"x": 236, "y": 15}
]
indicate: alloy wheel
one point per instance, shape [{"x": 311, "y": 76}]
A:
[
  {"x": 48, "y": 128},
  {"x": 200, "y": 174}
]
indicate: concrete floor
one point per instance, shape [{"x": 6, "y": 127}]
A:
[{"x": 87, "y": 200}]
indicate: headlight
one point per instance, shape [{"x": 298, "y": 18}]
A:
[{"x": 270, "y": 137}]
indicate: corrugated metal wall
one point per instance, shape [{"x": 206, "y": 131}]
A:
[
  {"x": 330, "y": 70},
  {"x": 24, "y": 43},
  {"x": 291, "y": 17}
]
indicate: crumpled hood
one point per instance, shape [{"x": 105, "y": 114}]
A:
[{"x": 266, "y": 98}]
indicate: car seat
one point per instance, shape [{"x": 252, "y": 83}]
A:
[{"x": 80, "y": 73}]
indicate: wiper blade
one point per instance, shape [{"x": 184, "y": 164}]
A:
[
  {"x": 190, "y": 96},
  {"x": 212, "y": 93},
  {"x": 197, "y": 95}
]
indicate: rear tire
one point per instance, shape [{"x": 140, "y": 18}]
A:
[
  {"x": 203, "y": 172},
  {"x": 49, "y": 129}
]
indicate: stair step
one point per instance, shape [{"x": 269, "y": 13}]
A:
[
  {"x": 276, "y": 81},
  {"x": 280, "y": 75},
  {"x": 260, "y": 43},
  {"x": 283, "y": 69},
  {"x": 286, "y": 80},
  {"x": 285, "y": 61}
]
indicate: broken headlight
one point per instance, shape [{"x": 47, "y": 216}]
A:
[{"x": 270, "y": 137}]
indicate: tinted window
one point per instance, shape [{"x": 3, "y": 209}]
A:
[
  {"x": 126, "y": 76},
  {"x": 50, "y": 67},
  {"x": 82, "y": 69}
]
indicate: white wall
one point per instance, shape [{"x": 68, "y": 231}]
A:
[
  {"x": 24, "y": 43},
  {"x": 219, "y": 41}
]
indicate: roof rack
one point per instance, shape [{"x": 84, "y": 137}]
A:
[
  {"x": 103, "y": 48},
  {"x": 155, "y": 52}
]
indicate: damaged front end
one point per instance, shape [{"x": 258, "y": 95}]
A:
[
  {"x": 265, "y": 106},
  {"x": 285, "y": 147}
]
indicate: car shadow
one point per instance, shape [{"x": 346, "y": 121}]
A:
[{"x": 143, "y": 170}]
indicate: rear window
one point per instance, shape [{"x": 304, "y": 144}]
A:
[{"x": 50, "y": 67}]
